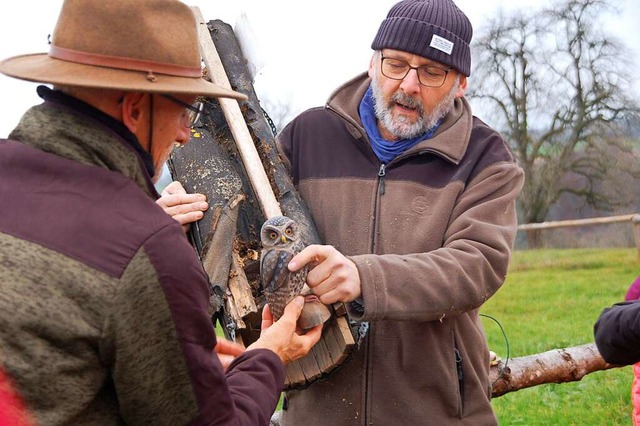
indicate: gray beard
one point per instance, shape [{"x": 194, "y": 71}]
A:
[{"x": 401, "y": 127}]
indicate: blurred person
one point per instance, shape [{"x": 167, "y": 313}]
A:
[
  {"x": 414, "y": 198},
  {"x": 633, "y": 293},
  {"x": 617, "y": 331},
  {"x": 104, "y": 306},
  {"x": 617, "y": 336},
  {"x": 12, "y": 410}
]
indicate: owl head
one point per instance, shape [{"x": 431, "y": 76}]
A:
[{"x": 279, "y": 231}]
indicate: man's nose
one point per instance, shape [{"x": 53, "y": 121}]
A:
[
  {"x": 183, "y": 135},
  {"x": 410, "y": 83}
]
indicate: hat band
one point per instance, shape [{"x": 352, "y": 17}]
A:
[{"x": 119, "y": 62}]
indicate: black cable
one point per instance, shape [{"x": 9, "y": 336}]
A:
[{"x": 506, "y": 341}]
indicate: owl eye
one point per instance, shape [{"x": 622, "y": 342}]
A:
[
  {"x": 273, "y": 235},
  {"x": 288, "y": 231}
]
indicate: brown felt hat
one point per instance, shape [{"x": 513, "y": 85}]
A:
[{"x": 131, "y": 45}]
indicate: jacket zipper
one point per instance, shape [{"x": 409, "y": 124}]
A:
[
  {"x": 460, "y": 374},
  {"x": 381, "y": 173}
]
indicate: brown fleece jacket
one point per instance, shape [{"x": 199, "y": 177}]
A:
[{"x": 431, "y": 234}]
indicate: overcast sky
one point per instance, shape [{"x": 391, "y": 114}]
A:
[{"x": 303, "y": 49}]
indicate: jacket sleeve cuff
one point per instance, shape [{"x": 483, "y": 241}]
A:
[{"x": 367, "y": 306}]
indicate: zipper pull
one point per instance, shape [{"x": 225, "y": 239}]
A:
[{"x": 381, "y": 173}]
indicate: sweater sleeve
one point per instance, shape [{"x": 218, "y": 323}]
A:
[
  {"x": 617, "y": 333},
  {"x": 460, "y": 276},
  {"x": 159, "y": 340}
]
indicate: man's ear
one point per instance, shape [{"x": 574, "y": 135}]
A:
[
  {"x": 372, "y": 63},
  {"x": 134, "y": 110},
  {"x": 462, "y": 86}
]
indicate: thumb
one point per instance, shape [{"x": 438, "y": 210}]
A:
[{"x": 294, "y": 308}]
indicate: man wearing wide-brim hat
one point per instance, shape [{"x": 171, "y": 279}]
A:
[{"x": 103, "y": 303}]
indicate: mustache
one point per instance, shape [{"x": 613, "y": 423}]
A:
[{"x": 408, "y": 101}]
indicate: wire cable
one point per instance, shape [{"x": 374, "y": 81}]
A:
[{"x": 506, "y": 342}]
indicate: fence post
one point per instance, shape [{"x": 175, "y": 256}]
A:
[{"x": 636, "y": 231}]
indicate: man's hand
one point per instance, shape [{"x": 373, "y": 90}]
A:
[
  {"x": 332, "y": 276},
  {"x": 183, "y": 207},
  {"x": 282, "y": 337},
  {"x": 227, "y": 351}
]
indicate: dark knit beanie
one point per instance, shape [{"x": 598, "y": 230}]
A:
[{"x": 434, "y": 29}]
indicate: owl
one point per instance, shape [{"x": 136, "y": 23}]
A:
[{"x": 280, "y": 242}]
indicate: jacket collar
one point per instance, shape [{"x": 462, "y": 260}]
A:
[
  {"x": 72, "y": 129},
  {"x": 450, "y": 141}
]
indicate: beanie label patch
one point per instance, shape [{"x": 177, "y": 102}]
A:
[{"x": 441, "y": 44}]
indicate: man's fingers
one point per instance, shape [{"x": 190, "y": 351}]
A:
[
  {"x": 312, "y": 335},
  {"x": 310, "y": 254},
  {"x": 185, "y": 213},
  {"x": 228, "y": 347},
  {"x": 320, "y": 275},
  {"x": 267, "y": 318},
  {"x": 185, "y": 202},
  {"x": 174, "y": 187},
  {"x": 184, "y": 208},
  {"x": 305, "y": 341}
]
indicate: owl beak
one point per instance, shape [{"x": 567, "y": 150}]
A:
[{"x": 283, "y": 238}]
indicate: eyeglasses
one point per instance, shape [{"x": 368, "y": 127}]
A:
[
  {"x": 428, "y": 75},
  {"x": 191, "y": 114}
]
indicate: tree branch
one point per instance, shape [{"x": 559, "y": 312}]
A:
[{"x": 555, "y": 366}]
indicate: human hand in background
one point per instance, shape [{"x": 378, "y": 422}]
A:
[
  {"x": 227, "y": 351},
  {"x": 282, "y": 337},
  {"x": 183, "y": 207},
  {"x": 332, "y": 276}
]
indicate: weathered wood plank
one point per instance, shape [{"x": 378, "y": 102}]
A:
[
  {"x": 295, "y": 375},
  {"x": 323, "y": 357}
]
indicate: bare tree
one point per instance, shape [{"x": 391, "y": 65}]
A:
[{"x": 559, "y": 89}]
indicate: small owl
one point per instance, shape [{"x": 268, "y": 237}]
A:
[{"x": 280, "y": 242}]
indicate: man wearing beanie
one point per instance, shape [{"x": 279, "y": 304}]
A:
[
  {"x": 415, "y": 199},
  {"x": 104, "y": 305}
]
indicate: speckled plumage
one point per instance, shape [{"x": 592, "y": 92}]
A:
[{"x": 280, "y": 242}]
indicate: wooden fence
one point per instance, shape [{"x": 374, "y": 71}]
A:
[{"x": 634, "y": 219}]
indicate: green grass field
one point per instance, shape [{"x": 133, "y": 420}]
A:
[{"x": 550, "y": 300}]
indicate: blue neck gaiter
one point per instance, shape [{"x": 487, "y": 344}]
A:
[{"x": 385, "y": 150}]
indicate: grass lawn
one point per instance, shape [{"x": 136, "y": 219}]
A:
[{"x": 550, "y": 300}]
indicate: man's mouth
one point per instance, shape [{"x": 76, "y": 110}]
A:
[{"x": 406, "y": 106}]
